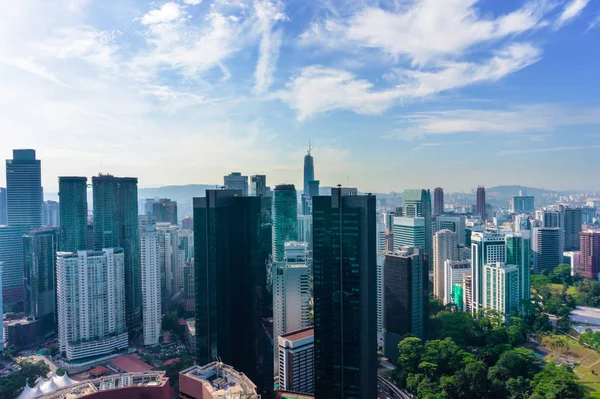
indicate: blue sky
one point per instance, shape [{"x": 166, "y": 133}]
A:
[{"x": 393, "y": 94}]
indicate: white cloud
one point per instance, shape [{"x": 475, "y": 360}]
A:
[
  {"x": 192, "y": 2},
  {"x": 30, "y": 66},
  {"x": 550, "y": 149},
  {"x": 571, "y": 10},
  {"x": 166, "y": 13},
  {"x": 268, "y": 13},
  {"x": 594, "y": 24}
]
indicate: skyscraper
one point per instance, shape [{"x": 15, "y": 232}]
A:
[
  {"x": 486, "y": 247},
  {"x": 91, "y": 302},
  {"x": 572, "y": 228},
  {"x": 2, "y": 206},
  {"x": 345, "y": 299},
  {"x": 410, "y": 232},
  {"x": 50, "y": 214},
  {"x": 438, "y": 201},
  {"x": 454, "y": 272},
  {"x": 417, "y": 203},
  {"x": 501, "y": 288},
  {"x": 589, "y": 254},
  {"x": 171, "y": 275},
  {"x": 232, "y": 245},
  {"x": 285, "y": 222},
  {"x": 481, "y": 203},
  {"x": 165, "y": 211},
  {"x": 72, "y": 194},
  {"x": 151, "y": 279},
  {"x": 405, "y": 298},
  {"x": 39, "y": 249},
  {"x": 522, "y": 204},
  {"x": 455, "y": 223},
  {"x": 1, "y": 307},
  {"x": 518, "y": 253},
  {"x": 258, "y": 185},
  {"x": 445, "y": 247},
  {"x": 116, "y": 225},
  {"x": 235, "y": 181},
  {"x": 296, "y": 369},
  {"x": 547, "y": 246},
  {"x": 309, "y": 175},
  {"x": 553, "y": 218}
]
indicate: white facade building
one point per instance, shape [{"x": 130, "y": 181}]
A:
[
  {"x": 486, "y": 247},
  {"x": 296, "y": 361},
  {"x": 304, "y": 228},
  {"x": 150, "y": 264},
  {"x": 170, "y": 271},
  {"x": 455, "y": 223},
  {"x": 501, "y": 285},
  {"x": 380, "y": 237},
  {"x": 91, "y": 302},
  {"x": 445, "y": 247},
  {"x": 454, "y": 272}
]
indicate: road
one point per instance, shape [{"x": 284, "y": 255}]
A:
[{"x": 390, "y": 389}]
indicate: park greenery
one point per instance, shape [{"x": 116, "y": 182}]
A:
[{"x": 12, "y": 385}]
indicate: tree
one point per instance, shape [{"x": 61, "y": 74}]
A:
[
  {"x": 556, "y": 382},
  {"x": 561, "y": 274},
  {"x": 409, "y": 357}
]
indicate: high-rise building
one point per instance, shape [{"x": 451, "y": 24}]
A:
[
  {"x": 410, "y": 232},
  {"x": 388, "y": 220},
  {"x": 553, "y": 218},
  {"x": 187, "y": 223},
  {"x": 522, "y": 223},
  {"x": 304, "y": 228},
  {"x": 91, "y": 302},
  {"x": 572, "y": 228},
  {"x": 572, "y": 258},
  {"x": 24, "y": 190},
  {"x": 486, "y": 247},
  {"x": 522, "y": 204},
  {"x": 481, "y": 212},
  {"x": 116, "y": 225},
  {"x": 309, "y": 175},
  {"x": 186, "y": 243},
  {"x": 455, "y": 223},
  {"x": 2, "y": 206},
  {"x": 235, "y": 181},
  {"x": 215, "y": 381},
  {"x": 258, "y": 185},
  {"x": 232, "y": 245},
  {"x": 518, "y": 253},
  {"x": 151, "y": 279},
  {"x": 345, "y": 297},
  {"x": 291, "y": 294},
  {"x": 72, "y": 194},
  {"x": 147, "y": 206},
  {"x": 501, "y": 284},
  {"x": 165, "y": 211},
  {"x": 380, "y": 277},
  {"x": 589, "y": 254},
  {"x": 454, "y": 272},
  {"x": 296, "y": 366},
  {"x": 467, "y": 286},
  {"x": 1, "y": 307},
  {"x": 417, "y": 203},
  {"x": 547, "y": 246},
  {"x": 39, "y": 249},
  {"x": 170, "y": 276},
  {"x": 11, "y": 254},
  {"x": 50, "y": 214},
  {"x": 285, "y": 222},
  {"x": 445, "y": 247},
  {"x": 381, "y": 237},
  {"x": 405, "y": 298},
  {"x": 189, "y": 294},
  {"x": 438, "y": 201}
]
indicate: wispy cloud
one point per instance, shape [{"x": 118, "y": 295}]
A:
[
  {"x": 268, "y": 13},
  {"x": 570, "y": 12},
  {"x": 594, "y": 24},
  {"x": 29, "y": 65},
  {"x": 550, "y": 149}
]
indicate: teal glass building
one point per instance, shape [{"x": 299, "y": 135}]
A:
[
  {"x": 285, "y": 218},
  {"x": 72, "y": 194}
]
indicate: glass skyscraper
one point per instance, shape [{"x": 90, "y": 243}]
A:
[
  {"x": 417, "y": 203},
  {"x": 309, "y": 175},
  {"x": 285, "y": 218},
  {"x": 72, "y": 193},
  {"x": 518, "y": 252},
  {"x": 345, "y": 298},
  {"x": 116, "y": 225},
  {"x": 232, "y": 243},
  {"x": 2, "y": 206}
]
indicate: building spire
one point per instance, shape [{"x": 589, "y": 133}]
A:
[{"x": 310, "y": 147}]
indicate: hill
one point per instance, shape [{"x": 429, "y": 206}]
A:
[{"x": 510, "y": 191}]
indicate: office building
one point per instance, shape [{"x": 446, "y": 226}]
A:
[
  {"x": 417, "y": 203},
  {"x": 445, "y": 247},
  {"x": 232, "y": 246},
  {"x": 151, "y": 279},
  {"x": 258, "y": 185},
  {"x": 235, "y": 181},
  {"x": 11, "y": 254},
  {"x": 304, "y": 228},
  {"x": 388, "y": 220},
  {"x": 501, "y": 284},
  {"x": 186, "y": 243},
  {"x": 345, "y": 284},
  {"x": 116, "y": 225},
  {"x": 455, "y": 223},
  {"x": 296, "y": 361},
  {"x": 309, "y": 175},
  {"x": 380, "y": 277},
  {"x": 91, "y": 302},
  {"x": 589, "y": 254},
  {"x": 553, "y": 218},
  {"x": 522, "y": 204},
  {"x": 165, "y": 211},
  {"x": 467, "y": 286},
  {"x": 588, "y": 215},
  {"x": 285, "y": 222},
  {"x": 39, "y": 249},
  {"x": 438, "y": 201},
  {"x": 72, "y": 194},
  {"x": 50, "y": 214},
  {"x": 454, "y": 273},
  {"x": 187, "y": 223},
  {"x": 522, "y": 223},
  {"x": 170, "y": 276},
  {"x": 215, "y": 381},
  {"x": 480, "y": 207},
  {"x": 381, "y": 237},
  {"x": 572, "y": 258},
  {"x": 518, "y": 253},
  {"x": 2, "y": 206},
  {"x": 1, "y": 307},
  {"x": 547, "y": 247},
  {"x": 410, "y": 232},
  {"x": 405, "y": 299},
  {"x": 189, "y": 295},
  {"x": 486, "y": 247},
  {"x": 573, "y": 224}
]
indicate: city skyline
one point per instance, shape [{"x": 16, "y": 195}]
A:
[{"x": 123, "y": 88}]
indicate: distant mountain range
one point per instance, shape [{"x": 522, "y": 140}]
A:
[{"x": 510, "y": 191}]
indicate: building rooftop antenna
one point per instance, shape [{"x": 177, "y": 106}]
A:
[{"x": 310, "y": 147}]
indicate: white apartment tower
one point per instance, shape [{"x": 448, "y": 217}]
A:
[
  {"x": 486, "y": 247},
  {"x": 501, "y": 287},
  {"x": 171, "y": 273},
  {"x": 454, "y": 272},
  {"x": 380, "y": 237},
  {"x": 445, "y": 247},
  {"x": 91, "y": 302},
  {"x": 150, "y": 263}
]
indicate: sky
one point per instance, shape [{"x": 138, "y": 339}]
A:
[{"x": 393, "y": 94}]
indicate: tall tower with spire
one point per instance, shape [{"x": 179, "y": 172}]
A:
[{"x": 309, "y": 175}]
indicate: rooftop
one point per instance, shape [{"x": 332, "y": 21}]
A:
[
  {"x": 221, "y": 379},
  {"x": 289, "y": 395},
  {"x": 299, "y": 334},
  {"x": 130, "y": 364}
]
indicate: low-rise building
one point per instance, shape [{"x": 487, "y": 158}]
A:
[
  {"x": 215, "y": 380},
  {"x": 296, "y": 361}
]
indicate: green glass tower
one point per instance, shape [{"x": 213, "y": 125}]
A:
[
  {"x": 232, "y": 243},
  {"x": 345, "y": 298},
  {"x": 518, "y": 252},
  {"x": 116, "y": 225},
  {"x": 285, "y": 218},
  {"x": 72, "y": 193}
]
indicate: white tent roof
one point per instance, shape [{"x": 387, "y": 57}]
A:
[{"x": 46, "y": 386}]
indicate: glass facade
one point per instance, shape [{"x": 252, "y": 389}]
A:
[
  {"x": 285, "y": 218},
  {"x": 345, "y": 299},
  {"x": 518, "y": 252},
  {"x": 417, "y": 203},
  {"x": 72, "y": 193}
]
